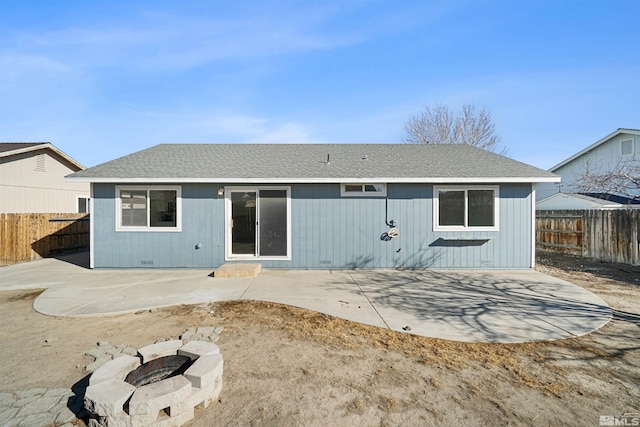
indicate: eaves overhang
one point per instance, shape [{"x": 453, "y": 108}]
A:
[{"x": 324, "y": 180}]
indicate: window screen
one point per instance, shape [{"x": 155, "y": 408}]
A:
[
  {"x": 451, "y": 208},
  {"x": 480, "y": 208}
]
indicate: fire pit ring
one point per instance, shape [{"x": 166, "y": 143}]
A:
[
  {"x": 161, "y": 386},
  {"x": 158, "y": 369}
]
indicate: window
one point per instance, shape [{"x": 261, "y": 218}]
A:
[
  {"x": 626, "y": 147},
  {"x": 83, "y": 204},
  {"x": 363, "y": 190},
  {"x": 148, "y": 209},
  {"x": 466, "y": 208}
]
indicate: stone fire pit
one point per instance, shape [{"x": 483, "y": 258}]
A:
[{"x": 159, "y": 387}]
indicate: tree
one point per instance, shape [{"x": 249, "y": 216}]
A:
[
  {"x": 621, "y": 179},
  {"x": 438, "y": 125}
]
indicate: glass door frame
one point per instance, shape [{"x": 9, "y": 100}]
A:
[{"x": 228, "y": 229}]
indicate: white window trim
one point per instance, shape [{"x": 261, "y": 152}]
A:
[
  {"x": 345, "y": 193},
  {"x": 632, "y": 143},
  {"x": 436, "y": 210},
  {"x": 228, "y": 256},
  {"x": 87, "y": 201},
  {"x": 177, "y": 228}
]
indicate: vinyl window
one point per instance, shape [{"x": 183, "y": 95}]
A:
[
  {"x": 367, "y": 189},
  {"x": 83, "y": 204},
  {"x": 148, "y": 209},
  {"x": 472, "y": 208}
]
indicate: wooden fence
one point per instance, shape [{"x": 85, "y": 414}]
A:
[
  {"x": 27, "y": 237},
  {"x": 607, "y": 235}
]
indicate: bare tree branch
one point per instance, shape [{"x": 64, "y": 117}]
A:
[
  {"x": 622, "y": 179},
  {"x": 437, "y": 125}
]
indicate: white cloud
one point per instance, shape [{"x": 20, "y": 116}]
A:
[
  {"x": 235, "y": 127},
  {"x": 163, "y": 40}
]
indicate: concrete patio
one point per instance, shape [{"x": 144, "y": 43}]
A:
[{"x": 472, "y": 306}]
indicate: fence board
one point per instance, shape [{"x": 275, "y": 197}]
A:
[
  {"x": 607, "y": 235},
  {"x": 27, "y": 237},
  {"x": 560, "y": 231}
]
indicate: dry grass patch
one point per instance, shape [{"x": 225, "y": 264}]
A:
[{"x": 302, "y": 324}]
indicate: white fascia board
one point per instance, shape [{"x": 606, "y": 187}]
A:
[
  {"x": 66, "y": 157},
  {"x": 430, "y": 180}
]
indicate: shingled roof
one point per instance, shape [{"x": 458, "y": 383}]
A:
[
  {"x": 281, "y": 163},
  {"x": 14, "y": 146},
  {"x": 9, "y": 149}
]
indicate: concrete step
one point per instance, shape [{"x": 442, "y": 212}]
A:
[{"x": 237, "y": 270}]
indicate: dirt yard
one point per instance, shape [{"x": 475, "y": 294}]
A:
[{"x": 289, "y": 366}]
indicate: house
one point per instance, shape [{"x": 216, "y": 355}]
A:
[
  {"x": 581, "y": 201},
  {"x": 618, "y": 148},
  {"x": 32, "y": 180},
  {"x": 319, "y": 206}
]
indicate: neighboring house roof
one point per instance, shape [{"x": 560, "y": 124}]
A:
[
  {"x": 596, "y": 144},
  {"x": 569, "y": 201},
  {"x": 614, "y": 198},
  {"x": 13, "y": 148},
  {"x": 17, "y": 146},
  {"x": 280, "y": 163}
]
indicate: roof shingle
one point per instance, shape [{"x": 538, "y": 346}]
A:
[
  {"x": 11, "y": 146},
  {"x": 309, "y": 162}
]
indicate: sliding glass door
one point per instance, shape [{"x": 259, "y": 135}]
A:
[
  {"x": 272, "y": 224},
  {"x": 258, "y": 222}
]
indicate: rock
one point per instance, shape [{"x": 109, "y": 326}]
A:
[
  {"x": 187, "y": 336},
  {"x": 205, "y": 330},
  {"x": 7, "y": 415},
  {"x": 42, "y": 419}
]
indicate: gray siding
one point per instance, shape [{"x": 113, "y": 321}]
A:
[
  {"x": 328, "y": 231},
  {"x": 202, "y": 222}
]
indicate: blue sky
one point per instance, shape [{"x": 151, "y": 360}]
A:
[{"x": 102, "y": 79}]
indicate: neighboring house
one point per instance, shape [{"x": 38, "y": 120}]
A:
[
  {"x": 32, "y": 180},
  {"x": 623, "y": 145},
  {"x": 313, "y": 206},
  {"x": 580, "y": 201}
]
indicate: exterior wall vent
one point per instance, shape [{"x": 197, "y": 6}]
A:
[
  {"x": 39, "y": 163},
  {"x": 626, "y": 147}
]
